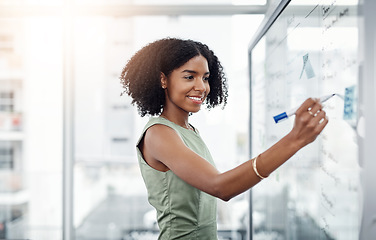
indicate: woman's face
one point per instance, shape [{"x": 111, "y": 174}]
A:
[{"x": 187, "y": 86}]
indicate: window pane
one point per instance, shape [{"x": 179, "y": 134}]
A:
[
  {"x": 109, "y": 194},
  {"x": 30, "y": 128}
]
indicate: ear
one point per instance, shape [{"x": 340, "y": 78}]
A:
[{"x": 163, "y": 80}]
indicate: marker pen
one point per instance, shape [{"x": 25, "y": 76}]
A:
[{"x": 291, "y": 112}]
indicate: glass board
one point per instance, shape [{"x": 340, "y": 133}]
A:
[{"x": 310, "y": 50}]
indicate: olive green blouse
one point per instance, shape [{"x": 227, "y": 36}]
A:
[{"x": 183, "y": 211}]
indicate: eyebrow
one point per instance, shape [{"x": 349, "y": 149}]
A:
[{"x": 193, "y": 72}]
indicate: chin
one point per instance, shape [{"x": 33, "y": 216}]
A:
[{"x": 194, "y": 110}]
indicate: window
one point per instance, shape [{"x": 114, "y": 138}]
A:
[{"x": 109, "y": 196}]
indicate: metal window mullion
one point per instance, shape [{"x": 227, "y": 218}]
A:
[
  {"x": 68, "y": 122},
  {"x": 367, "y": 108}
]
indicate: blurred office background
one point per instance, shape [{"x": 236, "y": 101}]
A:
[{"x": 68, "y": 166}]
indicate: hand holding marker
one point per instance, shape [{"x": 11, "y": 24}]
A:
[{"x": 291, "y": 112}]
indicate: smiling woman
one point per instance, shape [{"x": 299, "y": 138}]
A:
[{"x": 181, "y": 75}]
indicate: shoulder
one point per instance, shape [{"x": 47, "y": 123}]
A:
[
  {"x": 157, "y": 129},
  {"x": 161, "y": 125},
  {"x": 162, "y": 143},
  {"x": 162, "y": 133},
  {"x": 159, "y": 133}
]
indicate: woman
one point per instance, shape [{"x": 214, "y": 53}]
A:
[{"x": 172, "y": 78}]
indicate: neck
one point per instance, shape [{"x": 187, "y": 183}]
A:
[{"x": 181, "y": 120}]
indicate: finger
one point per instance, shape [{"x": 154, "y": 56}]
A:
[
  {"x": 310, "y": 106},
  {"x": 324, "y": 121},
  {"x": 319, "y": 117},
  {"x": 319, "y": 122},
  {"x": 311, "y": 113},
  {"x": 315, "y": 108},
  {"x": 305, "y": 106}
]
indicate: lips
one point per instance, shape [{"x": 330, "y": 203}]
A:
[{"x": 196, "y": 99}]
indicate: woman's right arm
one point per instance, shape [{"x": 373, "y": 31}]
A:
[{"x": 163, "y": 144}]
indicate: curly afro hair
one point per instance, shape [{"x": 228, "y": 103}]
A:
[{"x": 141, "y": 76}]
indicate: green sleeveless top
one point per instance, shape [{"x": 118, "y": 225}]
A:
[{"x": 183, "y": 211}]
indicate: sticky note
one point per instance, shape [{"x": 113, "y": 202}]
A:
[
  {"x": 307, "y": 67},
  {"x": 349, "y": 110}
]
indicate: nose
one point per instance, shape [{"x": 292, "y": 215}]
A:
[{"x": 200, "y": 85}]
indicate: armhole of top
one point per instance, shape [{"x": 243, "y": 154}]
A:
[{"x": 142, "y": 137}]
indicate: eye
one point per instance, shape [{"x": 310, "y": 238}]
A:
[
  {"x": 189, "y": 77},
  {"x": 206, "y": 78}
]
